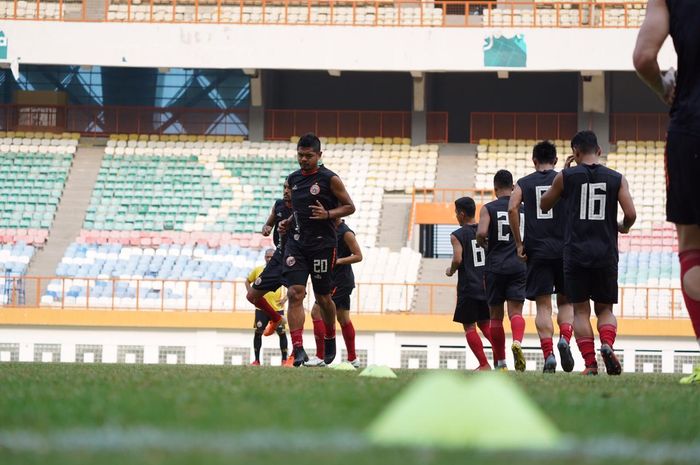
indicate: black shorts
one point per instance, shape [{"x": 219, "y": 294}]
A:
[
  {"x": 682, "y": 175},
  {"x": 261, "y": 321},
  {"x": 596, "y": 284},
  {"x": 271, "y": 277},
  {"x": 300, "y": 263},
  {"x": 502, "y": 287},
  {"x": 341, "y": 298},
  {"x": 544, "y": 277},
  {"x": 469, "y": 311}
]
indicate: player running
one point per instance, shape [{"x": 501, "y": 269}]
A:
[
  {"x": 318, "y": 198},
  {"x": 592, "y": 192},
  {"x": 349, "y": 252},
  {"x": 680, "y": 18},
  {"x": 504, "y": 274},
  {"x": 276, "y": 299},
  {"x": 271, "y": 277},
  {"x": 468, "y": 260},
  {"x": 542, "y": 251}
]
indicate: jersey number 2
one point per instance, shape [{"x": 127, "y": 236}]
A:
[
  {"x": 479, "y": 254},
  {"x": 502, "y": 224},
  {"x": 593, "y": 201}
]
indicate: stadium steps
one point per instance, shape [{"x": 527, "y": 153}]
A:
[
  {"x": 69, "y": 215},
  {"x": 393, "y": 226},
  {"x": 432, "y": 270},
  {"x": 456, "y": 166}
]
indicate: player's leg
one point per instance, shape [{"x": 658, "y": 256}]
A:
[
  {"x": 295, "y": 296},
  {"x": 342, "y": 305},
  {"x": 283, "y": 342},
  {"x": 261, "y": 321},
  {"x": 329, "y": 315},
  {"x": 577, "y": 284},
  {"x": 565, "y": 321},
  {"x": 468, "y": 312},
  {"x": 515, "y": 293},
  {"x": 323, "y": 261},
  {"x": 689, "y": 254},
  {"x": 604, "y": 294},
  {"x": 269, "y": 281},
  {"x": 495, "y": 297},
  {"x": 539, "y": 286},
  {"x": 319, "y": 333}
]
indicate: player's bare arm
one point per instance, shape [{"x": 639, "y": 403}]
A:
[
  {"x": 345, "y": 205},
  {"x": 267, "y": 227},
  {"x": 355, "y": 251},
  {"x": 482, "y": 231},
  {"x": 456, "y": 256},
  {"x": 651, "y": 38},
  {"x": 516, "y": 198},
  {"x": 553, "y": 194},
  {"x": 624, "y": 197}
]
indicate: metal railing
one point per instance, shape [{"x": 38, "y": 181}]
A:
[
  {"x": 227, "y": 296},
  {"x": 367, "y": 13},
  {"x": 498, "y": 125},
  {"x": 638, "y": 126}
]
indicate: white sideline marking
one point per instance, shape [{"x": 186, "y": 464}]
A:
[{"x": 233, "y": 442}]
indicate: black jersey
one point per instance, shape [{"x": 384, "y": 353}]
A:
[
  {"x": 544, "y": 235},
  {"x": 590, "y": 236},
  {"x": 684, "y": 19},
  {"x": 470, "y": 274},
  {"x": 343, "y": 277},
  {"x": 281, "y": 212},
  {"x": 306, "y": 190},
  {"x": 500, "y": 255}
]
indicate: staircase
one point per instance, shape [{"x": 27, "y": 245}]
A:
[
  {"x": 393, "y": 227},
  {"x": 456, "y": 166}
]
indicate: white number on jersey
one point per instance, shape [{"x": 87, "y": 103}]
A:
[
  {"x": 321, "y": 266},
  {"x": 479, "y": 254},
  {"x": 503, "y": 234},
  {"x": 539, "y": 192},
  {"x": 593, "y": 201}
]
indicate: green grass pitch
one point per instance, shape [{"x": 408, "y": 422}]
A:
[{"x": 125, "y": 414}]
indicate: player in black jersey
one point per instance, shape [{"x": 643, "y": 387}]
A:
[
  {"x": 468, "y": 260},
  {"x": 592, "y": 192},
  {"x": 318, "y": 198},
  {"x": 271, "y": 278},
  {"x": 681, "y": 19},
  {"x": 349, "y": 252},
  {"x": 542, "y": 249},
  {"x": 504, "y": 275}
]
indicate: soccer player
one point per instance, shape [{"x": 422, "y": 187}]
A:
[
  {"x": 276, "y": 301},
  {"x": 349, "y": 252},
  {"x": 680, "y": 18},
  {"x": 318, "y": 198},
  {"x": 271, "y": 277},
  {"x": 592, "y": 192},
  {"x": 504, "y": 274},
  {"x": 468, "y": 260},
  {"x": 542, "y": 251}
]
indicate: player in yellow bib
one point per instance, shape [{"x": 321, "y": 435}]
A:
[{"x": 276, "y": 299}]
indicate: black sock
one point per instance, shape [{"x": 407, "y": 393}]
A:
[
  {"x": 283, "y": 345},
  {"x": 257, "y": 344}
]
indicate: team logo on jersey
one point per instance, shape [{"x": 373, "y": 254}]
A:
[
  {"x": 296, "y": 237},
  {"x": 258, "y": 281},
  {"x": 279, "y": 214},
  {"x": 258, "y": 324},
  {"x": 294, "y": 187},
  {"x": 315, "y": 189},
  {"x": 291, "y": 261}
]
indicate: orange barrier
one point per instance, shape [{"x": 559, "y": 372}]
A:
[
  {"x": 367, "y": 298},
  {"x": 436, "y": 206},
  {"x": 105, "y": 120},
  {"x": 638, "y": 126},
  {"x": 285, "y": 124},
  {"x": 496, "y": 125},
  {"x": 399, "y": 13}
]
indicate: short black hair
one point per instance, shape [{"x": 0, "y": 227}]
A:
[
  {"x": 309, "y": 140},
  {"x": 544, "y": 152},
  {"x": 503, "y": 179},
  {"x": 585, "y": 142},
  {"x": 466, "y": 205}
]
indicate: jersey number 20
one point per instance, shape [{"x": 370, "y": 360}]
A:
[
  {"x": 320, "y": 266},
  {"x": 593, "y": 201},
  {"x": 504, "y": 227}
]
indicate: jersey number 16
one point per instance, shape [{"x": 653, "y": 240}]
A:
[{"x": 593, "y": 201}]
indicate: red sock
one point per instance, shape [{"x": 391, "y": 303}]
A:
[
  {"x": 587, "y": 349},
  {"x": 319, "y": 332},
  {"x": 349, "y": 337},
  {"x": 265, "y": 306},
  {"x": 690, "y": 259},
  {"x": 297, "y": 337},
  {"x": 485, "y": 327},
  {"x": 476, "y": 346},
  {"x": 498, "y": 340},
  {"x": 607, "y": 334},
  {"x": 565, "y": 330},
  {"x": 330, "y": 331},
  {"x": 517, "y": 326},
  {"x": 546, "y": 345}
]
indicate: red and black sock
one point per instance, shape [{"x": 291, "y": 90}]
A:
[
  {"x": 265, "y": 306},
  {"x": 476, "y": 346},
  {"x": 587, "y": 348},
  {"x": 690, "y": 259},
  {"x": 498, "y": 340},
  {"x": 485, "y": 327},
  {"x": 607, "y": 334},
  {"x": 349, "y": 337},
  {"x": 517, "y": 326},
  {"x": 319, "y": 332},
  {"x": 297, "y": 337},
  {"x": 566, "y": 330},
  {"x": 547, "y": 347}
]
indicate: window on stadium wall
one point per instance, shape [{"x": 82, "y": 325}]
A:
[
  {"x": 434, "y": 240},
  {"x": 217, "y": 93}
]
